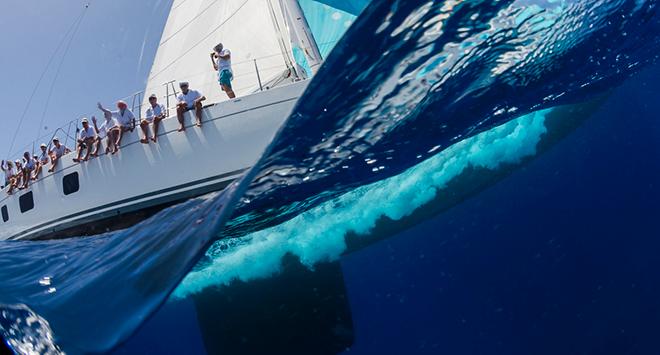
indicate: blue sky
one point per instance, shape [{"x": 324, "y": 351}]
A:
[{"x": 109, "y": 58}]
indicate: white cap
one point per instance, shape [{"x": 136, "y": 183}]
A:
[
  {"x": 43, "y": 145},
  {"x": 84, "y": 120},
  {"x": 56, "y": 139}
]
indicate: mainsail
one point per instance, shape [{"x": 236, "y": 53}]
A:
[
  {"x": 194, "y": 27},
  {"x": 257, "y": 32}
]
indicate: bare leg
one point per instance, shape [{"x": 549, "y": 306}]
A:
[
  {"x": 52, "y": 168},
  {"x": 112, "y": 141},
  {"x": 228, "y": 91},
  {"x": 198, "y": 113},
  {"x": 80, "y": 150},
  {"x": 97, "y": 146},
  {"x": 120, "y": 133},
  {"x": 144, "y": 126},
  {"x": 180, "y": 110},
  {"x": 156, "y": 125},
  {"x": 89, "y": 143},
  {"x": 37, "y": 171}
]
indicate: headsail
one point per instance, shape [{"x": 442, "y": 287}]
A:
[{"x": 194, "y": 27}]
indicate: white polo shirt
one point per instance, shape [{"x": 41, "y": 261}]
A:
[
  {"x": 106, "y": 126},
  {"x": 58, "y": 151},
  {"x": 87, "y": 133},
  {"x": 125, "y": 118},
  {"x": 43, "y": 158},
  {"x": 29, "y": 163},
  {"x": 155, "y": 112},
  {"x": 189, "y": 98},
  {"x": 224, "y": 64}
]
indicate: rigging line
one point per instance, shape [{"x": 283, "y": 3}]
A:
[
  {"x": 178, "y": 5},
  {"x": 59, "y": 67},
  {"x": 41, "y": 77},
  {"x": 199, "y": 42},
  {"x": 188, "y": 23}
]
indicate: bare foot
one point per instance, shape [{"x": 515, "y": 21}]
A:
[
  {"x": 199, "y": 123},
  {"x": 182, "y": 129}
]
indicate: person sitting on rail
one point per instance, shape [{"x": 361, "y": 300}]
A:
[
  {"x": 8, "y": 168},
  {"x": 189, "y": 100},
  {"x": 29, "y": 165},
  {"x": 124, "y": 117},
  {"x": 56, "y": 152},
  {"x": 42, "y": 160},
  {"x": 86, "y": 141},
  {"x": 18, "y": 177},
  {"x": 155, "y": 114},
  {"x": 221, "y": 59},
  {"x": 109, "y": 131}
]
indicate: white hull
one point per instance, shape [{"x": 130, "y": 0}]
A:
[{"x": 141, "y": 176}]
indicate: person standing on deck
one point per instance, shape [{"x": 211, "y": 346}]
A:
[
  {"x": 56, "y": 152},
  {"x": 189, "y": 100},
  {"x": 124, "y": 117},
  {"x": 42, "y": 160},
  {"x": 155, "y": 114},
  {"x": 221, "y": 60}
]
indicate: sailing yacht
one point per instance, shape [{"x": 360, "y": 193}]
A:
[{"x": 115, "y": 191}]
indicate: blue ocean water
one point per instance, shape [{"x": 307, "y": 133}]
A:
[{"x": 413, "y": 98}]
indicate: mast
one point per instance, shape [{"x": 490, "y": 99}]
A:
[{"x": 302, "y": 34}]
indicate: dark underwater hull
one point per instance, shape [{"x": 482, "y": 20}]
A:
[{"x": 300, "y": 310}]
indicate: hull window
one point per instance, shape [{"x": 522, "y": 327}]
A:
[
  {"x": 5, "y": 214},
  {"x": 26, "y": 202},
  {"x": 71, "y": 183}
]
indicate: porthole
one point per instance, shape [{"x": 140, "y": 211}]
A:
[
  {"x": 5, "y": 213},
  {"x": 71, "y": 183},
  {"x": 26, "y": 202}
]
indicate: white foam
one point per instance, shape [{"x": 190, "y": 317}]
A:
[{"x": 319, "y": 234}]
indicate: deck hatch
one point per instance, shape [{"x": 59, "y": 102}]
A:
[
  {"x": 71, "y": 183},
  {"x": 26, "y": 202}
]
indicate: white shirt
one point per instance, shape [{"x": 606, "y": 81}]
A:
[
  {"x": 125, "y": 119},
  {"x": 87, "y": 133},
  {"x": 189, "y": 98},
  {"x": 58, "y": 151},
  {"x": 224, "y": 64},
  {"x": 43, "y": 158},
  {"x": 106, "y": 126},
  {"x": 155, "y": 111},
  {"x": 29, "y": 163},
  {"x": 9, "y": 172}
]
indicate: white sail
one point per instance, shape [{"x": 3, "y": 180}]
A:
[{"x": 246, "y": 27}]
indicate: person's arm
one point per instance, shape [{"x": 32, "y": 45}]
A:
[
  {"x": 215, "y": 65},
  {"x": 200, "y": 98},
  {"x": 2, "y": 166},
  {"x": 226, "y": 54},
  {"x": 103, "y": 109},
  {"x": 132, "y": 116},
  {"x": 96, "y": 128}
]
